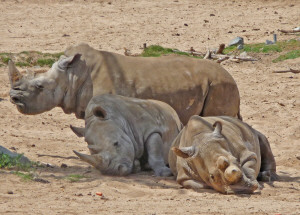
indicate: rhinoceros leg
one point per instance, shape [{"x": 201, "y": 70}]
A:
[
  {"x": 154, "y": 146},
  {"x": 268, "y": 164}
]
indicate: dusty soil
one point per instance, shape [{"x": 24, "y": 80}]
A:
[{"x": 269, "y": 102}]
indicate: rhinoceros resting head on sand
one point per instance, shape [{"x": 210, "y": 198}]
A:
[
  {"x": 123, "y": 132},
  {"x": 228, "y": 158},
  {"x": 35, "y": 93}
]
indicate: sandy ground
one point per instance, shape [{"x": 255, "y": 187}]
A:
[{"x": 269, "y": 102}]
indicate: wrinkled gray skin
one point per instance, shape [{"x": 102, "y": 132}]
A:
[
  {"x": 191, "y": 86},
  {"x": 228, "y": 158},
  {"x": 121, "y": 131}
]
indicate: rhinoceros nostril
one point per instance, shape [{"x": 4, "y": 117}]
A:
[{"x": 15, "y": 99}]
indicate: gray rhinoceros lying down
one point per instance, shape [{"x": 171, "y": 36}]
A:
[
  {"x": 229, "y": 157},
  {"x": 191, "y": 86},
  {"x": 122, "y": 131}
]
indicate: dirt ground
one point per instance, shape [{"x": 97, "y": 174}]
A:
[{"x": 269, "y": 102}]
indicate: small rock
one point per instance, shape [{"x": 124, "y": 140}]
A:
[
  {"x": 240, "y": 46},
  {"x": 229, "y": 32},
  {"x": 269, "y": 42},
  {"x": 212, "y": 14},
  {"x": 186, "y": 24},
  {"x": 243, "y": 54},
  {"x": 236, "y": 41},
  {"x": 63, "y": 165},
  {"x": 33, "y": 145},
  {"x": 296, "y": 29},
  {"x": 44, "y": 181},
  {"x": 206, "y": 21},
  {"x": 65, "y": 35},
  {"x": 13, "y": 148},
  {"x": 10, "y": 192}
]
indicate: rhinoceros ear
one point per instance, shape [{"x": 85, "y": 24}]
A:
[
  {"x": 184, "y": 152},
  {"x": 99, "y": 112},
  {"x": 80, "y": 132},
  {"x": 13, "y": 73},
  {"x": 64, "y": 63},
  {"x": 218, "y": 128}
]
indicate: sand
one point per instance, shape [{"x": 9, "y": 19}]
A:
[{"x": 269, "y": 102}]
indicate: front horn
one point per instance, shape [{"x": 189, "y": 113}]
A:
[
  {"x": 13, "y": 73},
  {"x": 94, "y": 160}
]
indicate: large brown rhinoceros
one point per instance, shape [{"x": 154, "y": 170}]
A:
[
  {"x": 123, "y": 132},
  {"x": 229, "y": 157},
  {"x": 191, "y": 86}
]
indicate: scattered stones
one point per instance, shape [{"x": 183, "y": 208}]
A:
[{"x": 236, "y": 41}]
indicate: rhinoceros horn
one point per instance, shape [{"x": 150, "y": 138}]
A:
[
  {"x": 80, "y": 132},
  {"x": 233, "y": 174},
  {"x": 13, "y": 73},
  {"x": 94, "y": 160}
]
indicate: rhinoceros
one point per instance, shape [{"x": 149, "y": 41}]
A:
[
  {"x": 191, "y": 86},
  {"x": 222, "y": 153},
  {"x": 123, "y": 132}
]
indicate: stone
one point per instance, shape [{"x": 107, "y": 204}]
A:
[{"x": 236, "y": 41}]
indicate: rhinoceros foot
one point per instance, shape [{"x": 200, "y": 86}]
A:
[
  {"x": 267, "y": 176},
  {"x": 163, "y": 171}
]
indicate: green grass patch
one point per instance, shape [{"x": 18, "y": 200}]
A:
[
  {"x": 264, "y": 48},
  {"x": 22, "y": 64},
  {"x": 45, "y": 62},
  {"x": 157, "y": 51},
  {"x": 74, "y": 177},
  {"x": 25, "y": 176},
  {"x": 30, "y": 58},
  {"x": 290, "y": 55}
]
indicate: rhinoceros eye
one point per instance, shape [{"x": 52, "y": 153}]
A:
[
  {"x": 212, "y": 176},
  {"x": 39, "y": 86},
  {"x": 116, "y": 144}
]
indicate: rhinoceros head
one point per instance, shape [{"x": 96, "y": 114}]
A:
[
  {"x": 111, "y": 149},
  {"x": 215, "y": 165},
  {"x": 40, "y": 92}
]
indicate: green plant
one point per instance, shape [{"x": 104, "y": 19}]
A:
[
  {"x": 9, "y": 162},
  {"x": 5, "y": 59}
]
